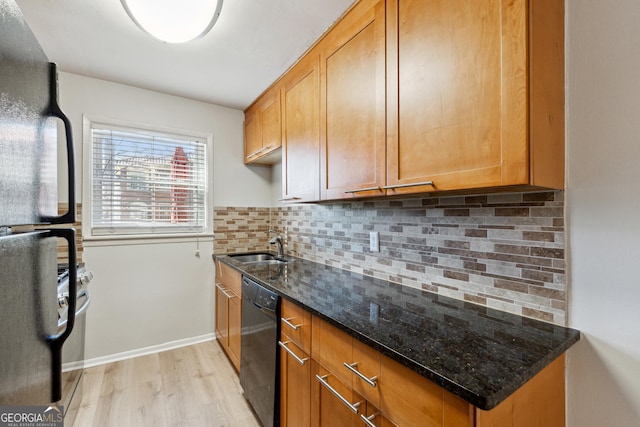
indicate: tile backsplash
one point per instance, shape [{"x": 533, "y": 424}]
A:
[
  {"x": 241, "y": 229},
  {"x": 504, "y": 251}
]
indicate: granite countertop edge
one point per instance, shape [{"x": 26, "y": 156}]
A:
[{"x": 484, "y": 402}]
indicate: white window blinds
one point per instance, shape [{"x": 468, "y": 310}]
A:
[{"x": 146, "y": 183}]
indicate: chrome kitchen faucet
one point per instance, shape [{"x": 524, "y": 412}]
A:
[{"x": 277, "y": 239}]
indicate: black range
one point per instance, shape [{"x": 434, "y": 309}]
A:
[{"x": 478, "y": 353}]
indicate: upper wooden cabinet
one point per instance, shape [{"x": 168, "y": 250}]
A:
[
  {"x": 352, "y": 104},
  {"x": 406, "y": 96},
  {"x": 263, "y": 129},
  {"x": 301, "y": 131},
  {"x": 475, "y": 94}
]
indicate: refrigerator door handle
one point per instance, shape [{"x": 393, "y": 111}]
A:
[
  {"x": 56, "y": 341},
  {"x": 54, "y": 111}
]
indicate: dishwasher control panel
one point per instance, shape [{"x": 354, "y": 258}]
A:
[{"x": 263, "y": 298}]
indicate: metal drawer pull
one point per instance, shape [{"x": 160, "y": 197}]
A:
[
  {"x": 357, "y": 190},
  {"x": 224, "y": 291},
  {"x": 415, "y": 184},
  {"x": 352, "y": 367},
  {"x": 255, "y": 153},
  {"x": 289, "y": 324},
  {"x": 352, "y": 406},
  {"x": 367, "y": 420},
  {"x": 288, "y": 199},
  {"x": 295, "y": 356}
]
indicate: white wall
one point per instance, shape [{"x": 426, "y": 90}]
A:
[
  {"x": 603, "y": 211},
  {"x": 150, "y": 293},
  {"x": 276, "y": 185}
]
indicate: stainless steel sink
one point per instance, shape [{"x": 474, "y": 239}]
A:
[{"x": 257, "y": 258}]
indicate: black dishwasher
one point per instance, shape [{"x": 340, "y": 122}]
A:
[{"x": 259, "y": 351}]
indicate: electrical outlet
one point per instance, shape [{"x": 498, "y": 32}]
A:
[{"x": 374, "y": 241}]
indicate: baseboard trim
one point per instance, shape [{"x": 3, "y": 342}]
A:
[{"x": 147, "y": 350}]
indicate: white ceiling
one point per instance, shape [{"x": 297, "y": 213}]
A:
[{"x": 251, "y": 45}]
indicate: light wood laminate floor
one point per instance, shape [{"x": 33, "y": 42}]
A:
[{"x": 190, "y": 386}]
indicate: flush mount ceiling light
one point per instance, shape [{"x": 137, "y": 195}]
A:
[{"x": 174, "y": 21}]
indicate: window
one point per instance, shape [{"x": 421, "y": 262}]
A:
[{"x": 146, "y": 182}]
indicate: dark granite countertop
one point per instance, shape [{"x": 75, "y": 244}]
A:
[{"x": 480, "y": 354}]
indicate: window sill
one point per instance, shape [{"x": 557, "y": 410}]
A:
[{"x": 137, "y": 239}]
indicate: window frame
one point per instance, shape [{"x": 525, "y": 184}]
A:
[{"x": 87, "y": 155}]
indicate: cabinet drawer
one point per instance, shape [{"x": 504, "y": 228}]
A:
[
  {"x": 296, "y": 324},
  {"x": 229, "y": 277},
  {"x": 331, "y": 348},
  {"x": 365, "y": 364},
  {"x": 408, "y": 398}
]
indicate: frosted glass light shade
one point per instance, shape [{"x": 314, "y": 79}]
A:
[{"x": 174, "y": 21}]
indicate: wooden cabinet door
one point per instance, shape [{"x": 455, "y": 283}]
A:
[
  {"x": 295, "y": 386},
  {"x": 539, "y": 402},
  {"x": 263, "y": 129},
  {"x": 332, "y": 348},
  {"x": 375, "y": 418},
  {"x": 353, "y": 114},
  {"x": 270, "y": 122},
  {"x": 228, "y": 311},
  {"x": 366, "y": 372},
  {"x": 328, "y": 410},
  {"x": 252, "y": 135},
  {"x": 301, "y": 126},
  {"x": 222, "y": 316},
  {"x": 235, "y": 326},
  {"x": 457, "y": 93}
]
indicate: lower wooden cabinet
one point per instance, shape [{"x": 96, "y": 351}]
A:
[
  {"x": 228, "y": 319},
  {"x": 411, "y": 400},
  {"x": 222, "y": 315},
  {"x": 539, "y": 402},
  {"x": 351, "y": 384},
  {"x": 373, "y": 380},
  {"x": 333, "y": 402},
  {"x": 295, "y": 385},
  {"x": 373, "y": 418}
]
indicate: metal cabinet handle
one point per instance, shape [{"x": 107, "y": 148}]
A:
[
  {"x": 367, "y": 420},
  {"x": 352, "y": 406},
  {"x": 295, "y": 356},
  {"x": 352, "y": 367},
  {"x": 255, "y": 153},
  {"x": 414, "y": 184},
  {"x": 289, "y": 324},
  {"x": 289, "y": 199},
  {"x": 54, "y": 111},
  {"x": 358, "y": 190},
  {"x": 224, "y": 291}
]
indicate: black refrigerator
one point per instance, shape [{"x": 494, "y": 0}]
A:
[{"x": 30, "y": 340}]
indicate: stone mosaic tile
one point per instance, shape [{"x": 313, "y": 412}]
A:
[
  {"x": 504, "y": 251},
  {"x": 240, "y": 229}
]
